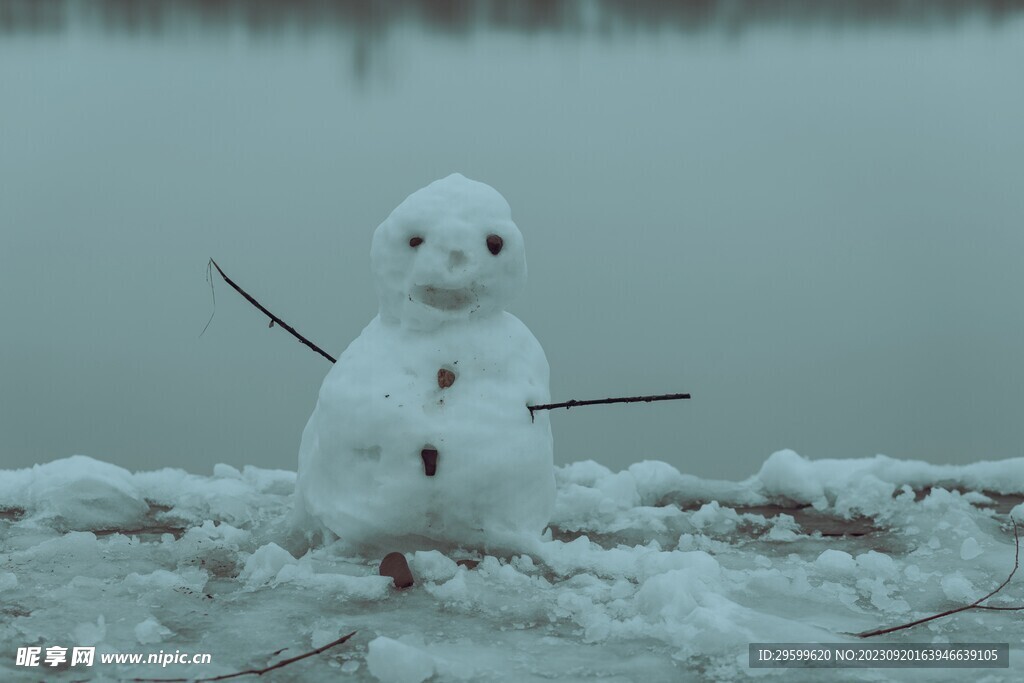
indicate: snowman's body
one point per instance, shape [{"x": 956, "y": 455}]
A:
[{"x": 442, "y": 368}]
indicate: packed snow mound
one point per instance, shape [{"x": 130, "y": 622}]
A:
[
  {"x": 76, "y": 493},
  {"x": 817, "y": 482},
  {"x": 421, "y": 435},
  {"x": 644, "y": 574}
]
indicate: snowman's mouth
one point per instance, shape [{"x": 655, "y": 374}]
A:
[{"x": 444, "y": 299}]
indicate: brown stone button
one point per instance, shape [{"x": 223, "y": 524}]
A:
[
  {"x": 395, "y": 566},
  {"x": 429, "y": 455},
  {"x": 445, "y": 378}
]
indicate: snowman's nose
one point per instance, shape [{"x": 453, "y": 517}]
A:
[{"x": 456, "y": 258}]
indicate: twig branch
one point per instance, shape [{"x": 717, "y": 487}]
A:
[
  {"x": 549, "y": 406},
  {"x": 974, "y": 605},
  {"x": 254, "y": 672},
  {"x": 596, "y": 401},
  {"x": 273, "y": 318}
]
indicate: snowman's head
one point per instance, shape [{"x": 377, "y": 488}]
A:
[{"x": 448, "y": 252}]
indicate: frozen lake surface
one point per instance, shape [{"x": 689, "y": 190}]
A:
[
  {"x": 647, "y": 574},
  {"x": 808, "y": 214}
]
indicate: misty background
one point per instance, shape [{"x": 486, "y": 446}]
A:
[{"x": 810, "y": 215}]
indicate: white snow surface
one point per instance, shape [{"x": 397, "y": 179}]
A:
[
  {"x": 646, "y": 574},
  {"x": 446, "y": 263}
]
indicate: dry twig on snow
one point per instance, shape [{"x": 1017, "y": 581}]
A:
[
  {"x": 253, "y": 672},
  {"x": 548, "y": 406},
  {"x": 974, "y": 605}
]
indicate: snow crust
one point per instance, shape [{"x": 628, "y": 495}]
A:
[{"x": 644, "y": 574}]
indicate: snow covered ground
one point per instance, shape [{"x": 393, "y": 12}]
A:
[{"x": 648, "y": 574}]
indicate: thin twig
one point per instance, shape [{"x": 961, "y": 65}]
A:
[
  {"x": 596, "y": 401},
  {"x": 974, "y": 605},
  {"x": 548, "y": 406},
  {"x": 273, "y": 318},
  {"x": 254, "y": 672},
  {"x": 213, "y": 295}
]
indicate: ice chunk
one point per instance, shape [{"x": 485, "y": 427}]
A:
[
  {"x": 433, "y": 566},
  {"x": 969, "y": 549},
  {"x": 81, "y": 493},
  {"x": 7, "y": 581},
  {"x": 151, "y": 631},
  {"x": 222, "y": 471},
  {"x": 90, "y": 633},
  {"x": 275, "y": 482},
  {"x": 787, "y": 474},
  {"x": 836, "y": 563},
  {"x": 877, "y": 564},
  {"x": 1017, "y": 513},
  {"x": 712, "y": 517},
  {"x": 264, "y": 564},
  {"x": 654, "y": 480},
  {"x": 454, "y": 590},
  {"x": 190, "y": 579},
  {"x": 391, "y": 661},
  {"x": 958, "y": 588},
  {"x": 215, "y": 547},
  {"x": 337, "y": 585}
]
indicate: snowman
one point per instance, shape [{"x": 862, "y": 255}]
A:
[{"x": 421, "y": 437}]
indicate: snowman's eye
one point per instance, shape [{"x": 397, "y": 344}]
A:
[
  {"x": 415, "y": 242},
  {"x": 494, "y": 244}
]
